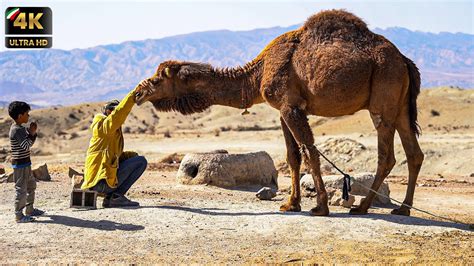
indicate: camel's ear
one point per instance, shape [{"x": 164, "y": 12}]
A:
[
  {"x": 184, "y": 72},
  {"x": 167, "y": 72}
]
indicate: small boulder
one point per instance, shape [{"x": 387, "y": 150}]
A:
[
  {"x": 73, "y": 172},
  {"x": 77, "y": 178},
  {"x": 6, "y": 178},
  {"x": 337, "y": 200},
  {"x": 3, "y": 178},
  {"x": 265, "y": 193},
  {"x": 228, "y": 170},
  {"x": 307, "y": 182},
  {"x": 42, "y": 173},
  {"x": 76, "y": 181}
]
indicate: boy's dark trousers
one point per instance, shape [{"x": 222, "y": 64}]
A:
[{"x": 25, "y": 186}]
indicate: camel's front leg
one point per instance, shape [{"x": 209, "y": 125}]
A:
[
  {"x": 293, "y": 158},
  {"x": 297, "y": 123}
]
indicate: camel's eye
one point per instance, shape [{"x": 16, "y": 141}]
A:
[{"x": 155, "y": 80}]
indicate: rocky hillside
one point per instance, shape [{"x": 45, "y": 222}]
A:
[{"x": 99, "y": 73}]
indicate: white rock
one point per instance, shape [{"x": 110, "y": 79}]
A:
[
  {"x": 265, "y": 193},
  {"x": 228, "y": 170}
]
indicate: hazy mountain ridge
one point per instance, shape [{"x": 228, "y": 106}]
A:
[{"x": 102, "y": 72}]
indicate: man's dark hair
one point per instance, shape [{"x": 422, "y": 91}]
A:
[
  {"x": 110, "y": 106},
  {"x": 17, "y": 108}
]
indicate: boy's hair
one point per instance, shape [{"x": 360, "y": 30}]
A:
[{"x": 17, "y": 108}]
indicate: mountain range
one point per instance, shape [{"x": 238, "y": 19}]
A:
[{"x": 63, "y": 77}]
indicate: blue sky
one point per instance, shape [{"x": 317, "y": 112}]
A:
[{"x": 81, "y": 24}]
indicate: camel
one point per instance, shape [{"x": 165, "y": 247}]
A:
[{"x": 331, "y": 66}]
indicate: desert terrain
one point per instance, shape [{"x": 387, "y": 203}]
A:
[{"x": 204, "y": 224}]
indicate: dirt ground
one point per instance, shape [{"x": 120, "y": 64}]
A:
[{"x": 204, "y": 224}]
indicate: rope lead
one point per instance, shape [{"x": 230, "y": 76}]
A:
[{"x": 346, "y": 187}]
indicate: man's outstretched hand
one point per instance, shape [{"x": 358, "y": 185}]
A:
[{"x": 141, "y": 88}]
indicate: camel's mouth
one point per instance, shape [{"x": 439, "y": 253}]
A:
[
  {"x": 139, "y": 98},
  {"x": 143, "y": 95}
]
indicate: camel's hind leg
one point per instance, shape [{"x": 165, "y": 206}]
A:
[
  {"x": 414, "y": 158},
  {"x": 386, "y": 161},
  {"x": 297, "y": 123},
  {"x": 293, "y": 158},
  {"x": 384, "y": 107}
]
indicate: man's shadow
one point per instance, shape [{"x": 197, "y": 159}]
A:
[
  {"x": 103, "y": 225},
  {"x": 406, "y": 220}
]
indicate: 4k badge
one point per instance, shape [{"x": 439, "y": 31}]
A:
[{"x": 26, "y": 27}]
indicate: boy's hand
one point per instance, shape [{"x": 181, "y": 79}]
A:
[{"x": 33, "y": 128}]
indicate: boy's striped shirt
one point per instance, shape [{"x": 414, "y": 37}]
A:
[{"x": 20, "y": 142}]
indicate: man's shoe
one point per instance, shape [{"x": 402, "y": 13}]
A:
[{"x": 121, "y": 201}]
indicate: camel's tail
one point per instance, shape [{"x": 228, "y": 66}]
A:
[{"x": 413, "y": 91}]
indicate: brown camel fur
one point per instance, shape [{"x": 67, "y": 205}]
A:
[{"x": 332, "y": 66}]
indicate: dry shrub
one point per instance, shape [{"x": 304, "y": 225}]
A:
[
  {"x": 435, "y": 113},
  {"x": 168, "y": 163},
  {"x": 172, "y": 158}
]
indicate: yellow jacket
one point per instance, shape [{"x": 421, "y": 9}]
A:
[{"x": 106, "y": 145}]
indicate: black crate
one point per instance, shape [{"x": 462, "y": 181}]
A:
[{"x": 83, "y": 199}]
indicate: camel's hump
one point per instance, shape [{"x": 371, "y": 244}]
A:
[{"x": 335, "y": 23}]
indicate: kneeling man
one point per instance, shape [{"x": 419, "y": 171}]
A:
[{"x": 108, "y": 169}]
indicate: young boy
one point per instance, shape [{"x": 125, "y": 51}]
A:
[{"x": 21, "y": 140}]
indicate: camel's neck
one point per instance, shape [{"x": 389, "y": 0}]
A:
[{"x": 237, "y": 87}]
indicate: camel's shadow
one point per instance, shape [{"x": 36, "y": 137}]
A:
[
  {"x": 406, "y": 220},
  {"x": 103, "y": 225}
]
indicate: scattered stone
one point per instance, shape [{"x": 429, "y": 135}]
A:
[
  {"x": 72, "y": 172},
  {"x": 307, "y": 183},
  {"x": 172, "y": 158},
  {"x": 228, "y": 170},
  {"x": 265, "y": 193},
  {"x": 6, "y": 178},
  {"x": 3, "y": 178},
  {"x": 42, "y": 173},
  {"x": 77, "y": 178},
  {"x": 76, "y": 181},
  {"x": 337, "y": 200},
  {"x": 4, "y": 154},
  {"x": 435, "y": 113},
  {"x": 2, "y": 170},
  {"x": 471, "y": 175},
  {"x": 73, "y": 135}
]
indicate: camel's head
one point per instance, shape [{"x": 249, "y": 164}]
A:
[{"x": 177, "y": 86}]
